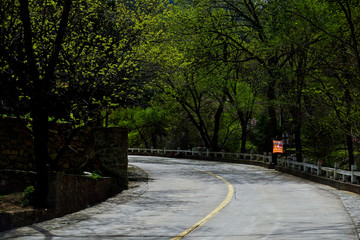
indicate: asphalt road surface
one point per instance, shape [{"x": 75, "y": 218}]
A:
[{"x": 188, "y": 199}]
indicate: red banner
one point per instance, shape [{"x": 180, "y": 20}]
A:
[{"x": 278, "y": 146}]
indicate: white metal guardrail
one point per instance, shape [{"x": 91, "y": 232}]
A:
[
  {"x": 328, "y": 172},
  {"x": 249, "y": 156},
  {"x": 352, "y": 176}
]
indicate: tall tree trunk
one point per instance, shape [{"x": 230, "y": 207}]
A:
[
  {"x": 217, "y": 119},
  {"x": 244, "y": 133},
  {"x": 349, "y": 141},
  {"x": 41, "y": 154},
  {"x": 296, "y": 113},
  {"x": 350, "y": 147},
  {"x": 199, "y": 125},
  {"x": 300, "y": 75},
  {"x": 272, "y": 130},
  {"x": 244, "y": 119},
  {"x": 40, "y": 90},
  {"x": 298, "y": 143},
  {"x": 143, "y": 138},
  {"x": 39, "y": 113},
  {"x": 153, "y": 140}
]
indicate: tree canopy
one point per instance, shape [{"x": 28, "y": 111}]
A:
[{"x": 67, "y": 60}]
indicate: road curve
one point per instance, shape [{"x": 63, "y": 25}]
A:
[{"x": 180, "y": 193}]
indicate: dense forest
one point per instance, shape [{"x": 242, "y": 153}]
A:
[
  {"x": 221, "y": 74},
  {"x": 233, "y": 75}
]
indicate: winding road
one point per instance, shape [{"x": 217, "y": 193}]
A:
[{"x": 189, "y": 199}]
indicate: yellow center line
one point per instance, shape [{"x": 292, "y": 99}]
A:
[{"x": 213, "y": 213}]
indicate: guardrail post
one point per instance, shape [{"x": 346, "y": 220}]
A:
[
  {"x": 336, "y": 175},
  {"x": 318, "y": 168},
  {"x": 353, "y": 177},
  {"x": 305, "y": 165},
  {"x": 327, "y": 173},
  {"x": 207, "y": 152}
]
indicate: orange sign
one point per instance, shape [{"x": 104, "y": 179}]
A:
[{"x": 278, "y": 146}]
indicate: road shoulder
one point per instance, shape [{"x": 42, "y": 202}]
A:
[{"x": 138, "y": 185}]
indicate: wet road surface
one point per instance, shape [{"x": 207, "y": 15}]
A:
[{"x": 180, "y": 193}]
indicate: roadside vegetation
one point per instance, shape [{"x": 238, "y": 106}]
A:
[{"x": 17, "y": 201}]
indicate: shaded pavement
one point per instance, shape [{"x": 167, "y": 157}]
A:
[{"x": 178, "y": 193}]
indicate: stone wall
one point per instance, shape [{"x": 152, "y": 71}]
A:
[
  {"x": 90, "y": 149},
  {"x": 67, "y": 193},
  {"x": 78, "y": 153},
  {"x": 16, "y": 150},
  {"x": 16, "y": 146},
  {"x": 15, "y": 181},
  {"x": 112, "y": 153},
  {"x": 9, "y": 220},
  {"x": 70, "y": 193},
  {"x": 79, "y": 190},
  {"x": 107, "y": 151}
]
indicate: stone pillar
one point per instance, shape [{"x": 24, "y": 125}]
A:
[{"x": 111, "y": 146}]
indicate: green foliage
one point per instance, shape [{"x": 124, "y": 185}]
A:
[
  {"x": 96, "y": 175},
  {"x": 96, "y": 63},
  {"x": 292, "y": 63},
  {"x": 198, "y": 72},
  {"x": 28, "y": 196},
  {"x": 146, "y": 126},
  {"x": 67, "y": 61}
]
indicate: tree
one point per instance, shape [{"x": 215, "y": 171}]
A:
[
  {"x": 147, "y": 126},
  {"x": 20, "y": 65},
  {"x": 339, "y": 58},
  {"x": 66, "y": 60},
  {"x": 250, "y": 37},
  {"x": 181, "y": 54},
  {"x": 296, "y": 42}
]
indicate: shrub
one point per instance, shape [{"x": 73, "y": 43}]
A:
[
  {"x": 96, "y": 174},
  {"x": 28, "y": 196}
]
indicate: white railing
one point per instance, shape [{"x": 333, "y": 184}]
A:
[
  {"x": 352, "y": 176},
  {"x": 249, "y": 156},
  {"x": 317, "y": 169}
]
